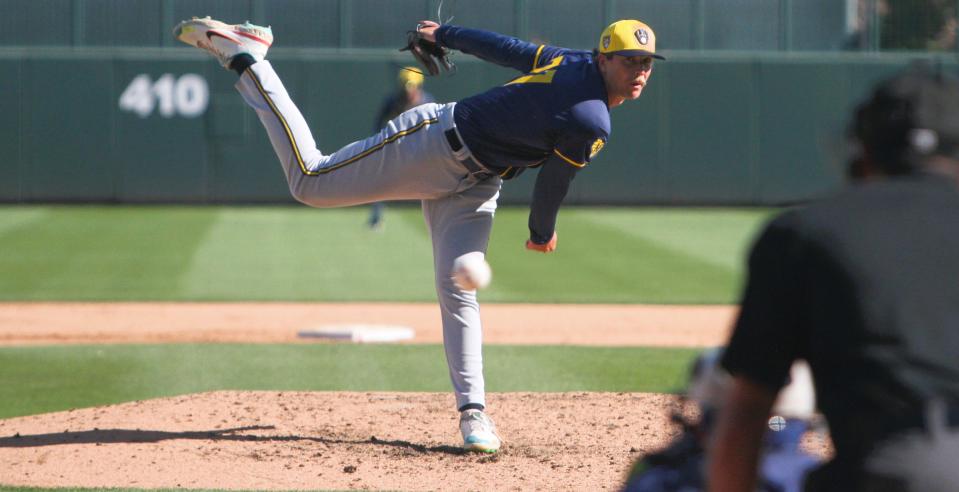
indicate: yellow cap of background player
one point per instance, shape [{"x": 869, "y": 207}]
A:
[
  {"x": 629, "y": 38},
  {"x": 410, "y": 77}
]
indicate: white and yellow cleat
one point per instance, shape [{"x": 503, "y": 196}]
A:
[
  {"x": 479, "y": 432},
  {"x": 224, "y": 41}
]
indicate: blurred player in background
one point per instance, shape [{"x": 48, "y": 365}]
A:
[
  {"x": 865, "y": 286},
  {"x": 408, "y": 94},
  {"x": 554, "y": 117},
  {"x": 682, "y": 465}
]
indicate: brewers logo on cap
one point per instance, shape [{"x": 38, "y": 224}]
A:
[
  {"x": 629, "y": 38},
  {"x": 642, "y": 36}
]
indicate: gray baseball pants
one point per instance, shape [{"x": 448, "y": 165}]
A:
[
  {"x": 409, "y": 159},
  {"x": 922, "y": 459}
]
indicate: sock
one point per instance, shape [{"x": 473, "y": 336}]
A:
[
  {"x": 472, "y": 406},
  {"x": 241, "y": 62}
]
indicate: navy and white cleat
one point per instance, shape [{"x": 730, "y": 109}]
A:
[{"x": 479, "y": 432}]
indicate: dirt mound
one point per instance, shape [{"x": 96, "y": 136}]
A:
[
  {"x": 339, "y": 440},
  {"x": 335, "y": 440}
]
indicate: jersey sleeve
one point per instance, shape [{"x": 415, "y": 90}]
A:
[
  {"x": 768, "y": 336},
  {"x": 552, "y": 184},
  {"x": 578, "y": 152},
  {"x": 585, "y": 134},
  {"x": 496, "y": 48},
  {"x": 580, "y": 142}
]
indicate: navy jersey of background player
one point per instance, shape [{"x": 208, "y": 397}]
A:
[
  {"x": 555, "y": 116},
  {"x": 395, "y": 104}
]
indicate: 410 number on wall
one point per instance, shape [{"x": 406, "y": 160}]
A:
[{"x": 169, "y": 96}]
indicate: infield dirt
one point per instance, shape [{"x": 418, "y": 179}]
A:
[
  {"x": 336, "y": 440},
  {"x": 316, "y": 440},
  {"x": 567, "y": 324}
]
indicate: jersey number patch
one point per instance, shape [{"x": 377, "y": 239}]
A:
[{"x": 541, "y": 75}]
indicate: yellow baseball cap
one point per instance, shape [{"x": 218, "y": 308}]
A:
[
  {"x": 629, "y": 38},
  {"x": 410, "y": 77}
]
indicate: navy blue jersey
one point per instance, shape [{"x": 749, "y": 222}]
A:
[{"x": 555, "y": 116}]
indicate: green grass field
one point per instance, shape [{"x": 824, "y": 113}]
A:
[
  {"x": 45, "y": 379},
  {"x": 605, "y": 255},
  {"x": 180, "y": 253}
]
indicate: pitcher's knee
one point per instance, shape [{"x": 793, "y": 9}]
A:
[
  {"x": 299, "y": 191},
  {"x": 452, "y": 297},
  {"x": 317, "y": 193}
]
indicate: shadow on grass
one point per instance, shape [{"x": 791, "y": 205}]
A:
[{"x": 114, "y": 436}]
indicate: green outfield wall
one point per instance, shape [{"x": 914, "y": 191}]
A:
[
  {"x": 680, "y": 24},
  {"x": 166, "y": 125}
]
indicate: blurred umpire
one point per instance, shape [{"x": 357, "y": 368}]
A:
[{"x": 864, "y": 286}]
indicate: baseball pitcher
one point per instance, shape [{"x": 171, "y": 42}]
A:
[{"x": 554, "y": 117}]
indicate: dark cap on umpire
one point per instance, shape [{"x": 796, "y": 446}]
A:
[
  {"x": 908, "y": 117},
  {"x": 629, "y": 38}
]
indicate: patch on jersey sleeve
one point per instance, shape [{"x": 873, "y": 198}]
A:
[{"x": 596, "y": 147}]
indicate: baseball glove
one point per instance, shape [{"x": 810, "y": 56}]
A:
[{"x": 431, "y": 56}]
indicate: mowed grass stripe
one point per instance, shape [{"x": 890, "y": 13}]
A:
[
  {"x": 717, "y": 236},
  {"x": 596, "y": 263},
  {"x": 47, "y": 379},
  {"x": 13, "y": 217},
  {"x": 304, "y": 254},
  {"x": 563, "y": 368},
  {"x": 96, "y": 253},
  {"x": 294, "y": 253}
]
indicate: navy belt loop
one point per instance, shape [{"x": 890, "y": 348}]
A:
[
  {"x": 475, "y": 168},
  {"x": 453, "y": 139}
]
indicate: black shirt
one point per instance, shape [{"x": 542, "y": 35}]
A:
[{"x": 865, "y": 286}]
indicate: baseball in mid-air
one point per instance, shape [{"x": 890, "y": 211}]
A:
[
  {"x": 777, "y": 423},
  {"x": 471, "y": 271}
]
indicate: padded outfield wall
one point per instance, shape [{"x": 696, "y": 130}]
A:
[
  {"x": 99, "y": 102},
  {"x": 821, "y": 25},
  {"x": 162, "y": 125}
]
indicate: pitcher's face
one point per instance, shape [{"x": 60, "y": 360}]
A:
[{"x": 625, "y": 76}]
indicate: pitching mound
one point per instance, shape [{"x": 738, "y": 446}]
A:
[{"x": 335, "y": 440}]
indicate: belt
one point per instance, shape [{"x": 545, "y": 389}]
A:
[{"x": 475, "y": 169}]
